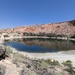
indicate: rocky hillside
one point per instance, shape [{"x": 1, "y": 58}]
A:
[
  {"x": 62, "y": 29},
  {"x": 19, "y": 64}
]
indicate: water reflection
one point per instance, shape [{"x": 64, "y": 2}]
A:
[{"x": 41, "y": 45}]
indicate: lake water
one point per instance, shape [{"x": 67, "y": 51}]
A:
[{"x": 41, "y": 45}]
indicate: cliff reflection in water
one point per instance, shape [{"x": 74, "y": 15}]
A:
[{"x": 59, "y": 45}]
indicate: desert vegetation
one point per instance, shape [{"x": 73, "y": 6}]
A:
[{"x": 26, "y": 66}]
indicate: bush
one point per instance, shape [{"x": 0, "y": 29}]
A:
[
  {"x": 48, "y": 61},
  {"x": 43, "y": 65},
  {"x": 8, "y": 51},
  {"x": 67, "y": 63},
  {"x": 55, "y": 63},
  {"x": 70, "y": 67},
  {"x": 73, "y": 36},
  {"x": 18, "y": 58},
  {"x": 6, "y": 36}
]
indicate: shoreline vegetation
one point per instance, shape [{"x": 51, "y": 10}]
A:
[
  {"x": 59, "y": 56},
  {"x": 19, "y": 63}
]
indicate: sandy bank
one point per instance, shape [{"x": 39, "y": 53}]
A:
[
  {"x": 56, "y": 56},
  {"x": 59, "y": 38}
]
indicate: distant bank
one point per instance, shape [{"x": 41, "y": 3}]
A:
[{"x": 38, "y": 37}]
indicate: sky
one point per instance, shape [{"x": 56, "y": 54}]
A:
[{"x": 15, "y": 13}]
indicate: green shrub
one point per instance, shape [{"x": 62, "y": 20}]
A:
[
  {"x": 73, "y": 36},
  {"x": 18, "y": 58},
  {"x": 8, "y": 50},
  {"x": 67, "y": 63},
  {"x": 55, "y": 63},
  {"x": 43, "y": 65},
  {"x": 48, "y": 61},
  {"x": 6, "y": 36}
]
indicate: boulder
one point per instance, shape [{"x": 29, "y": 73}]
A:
[{"x": 2, "y": 53}]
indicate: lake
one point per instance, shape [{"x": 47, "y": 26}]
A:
[{"x": 41, "y": 45}]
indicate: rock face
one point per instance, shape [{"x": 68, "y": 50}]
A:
[{"x": 65, "y": 29}]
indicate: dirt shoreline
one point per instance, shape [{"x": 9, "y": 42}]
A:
[
  {"x": 60, "y": 56},
  {"x": 58, "y": 38}
]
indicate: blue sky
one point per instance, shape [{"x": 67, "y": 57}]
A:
[{"x": 15, "y": 13}]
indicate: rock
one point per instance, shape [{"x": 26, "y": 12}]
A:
[
  {"x": 28, "y": 66},
  {"x": 2, "y": 54},
  {"x": 26, "y": 71},
  {"x": 1, "y": 51},
  {"x": 2, "y": 70}
]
